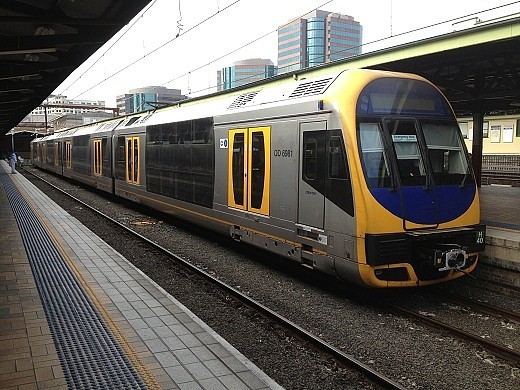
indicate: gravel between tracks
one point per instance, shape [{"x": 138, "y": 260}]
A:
[{"x": 408, "y": 352}]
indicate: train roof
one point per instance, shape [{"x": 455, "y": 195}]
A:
[{"x": 288, "y": 91}]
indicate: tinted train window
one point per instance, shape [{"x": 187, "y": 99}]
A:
[
  {"x": 105, "y": 146},
  {"x": 258, "y": 167},
  {"x": 120, "y": 158},
  {"x": 180, "y": 160},
  {"x": 447, "y": 157},
  {"x": 337, "y": 163},
  {"x": 409, "y": 160},
  {"x": 310, "y": 164},
  {"x": 238, "y": 168},
  {"x": 81, "y": 153},
  {"x": 377, "y": 173}
]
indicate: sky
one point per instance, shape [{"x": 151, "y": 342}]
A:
[{"x": 181, "y": 44}]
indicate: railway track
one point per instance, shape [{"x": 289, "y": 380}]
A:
[
  {"x": 439, "y": 296},
  {"x": 289, "y": 326},
  {"x": 498, "y": 350},
  {"x": 479, "y": 306}
]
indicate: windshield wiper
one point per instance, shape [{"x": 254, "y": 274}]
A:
[{"x": 463, "y": 182}]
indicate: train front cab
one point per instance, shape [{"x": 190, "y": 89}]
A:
[{"x": 417, "y": 204}]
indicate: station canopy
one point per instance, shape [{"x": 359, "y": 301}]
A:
[
  {"x": 44, "y": 41},
  {"x": 477, "y": 69}
]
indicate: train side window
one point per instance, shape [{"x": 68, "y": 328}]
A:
[
  {"x": 97, "y": 157},
  {"x": 338, "y": 185},
  {"x": 132, "y": 160},
  {"x": 310, "y": 163},
  {"x": 129, "y": 170},
  {"x": 337, "y": 163},
  {"x": 258, "y": 169},
  {"x": 105, "y": 160},
  {"x": 56, "y": 153},
  {"x": 136, "y": 160},
  {"x": 238, "y": 168},
  {"x": 68, "y": 154}
]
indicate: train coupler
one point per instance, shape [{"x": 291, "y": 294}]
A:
[{"x": 448, "y": 257}]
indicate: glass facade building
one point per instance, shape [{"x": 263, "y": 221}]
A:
[
  {"x": 147, "y": 98},
  {"x": 316, "y": 38},
  {"x": 244, "y": 72}
]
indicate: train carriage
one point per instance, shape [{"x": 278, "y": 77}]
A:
[{"x": 363, "y": 174}]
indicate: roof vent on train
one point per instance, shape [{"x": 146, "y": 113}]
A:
[
  {"x": 131, "y": 121},
  {"x": 243, "y": 99},
  {"x": 314, "y": 87}
]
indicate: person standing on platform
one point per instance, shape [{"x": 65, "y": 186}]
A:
[{"x": 12, "y": 162}]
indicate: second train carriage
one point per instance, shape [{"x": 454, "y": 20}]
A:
[{"x": 362, "y": 174}]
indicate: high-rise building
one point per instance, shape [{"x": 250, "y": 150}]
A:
[
  {"x": 316, "y": 38},
  {"x": 146, "y": 98},
  {"x": 244, "y": 72}
]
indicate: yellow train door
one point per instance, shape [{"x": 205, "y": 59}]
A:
[
  {"x": 68, "y": 154},
  {"x": 133, "y": 161},
  {"x": 98, "y": 158},
  {"x": 249, "y": 169}
]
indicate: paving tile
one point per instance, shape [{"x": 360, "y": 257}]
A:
[
  {"x": 212, "y": 384},
  {"x": 185, "y": 356},
  {"x": 179, "y": 374},
  {"x": 217, "y": 367},
  {"x": 198, "y": 371}
]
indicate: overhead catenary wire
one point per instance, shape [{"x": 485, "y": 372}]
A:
[
  {"x": 159, "y": 47},
  {"x": 190, "y": 72},
  {"x": 350, "y": 48},
  {"x": 240, "y": 47},
  {"x": 194, "y": 70},
  {"x": 112, "y": 45}
]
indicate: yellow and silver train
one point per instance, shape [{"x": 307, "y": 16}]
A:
[{"x": 361, "y": 174}]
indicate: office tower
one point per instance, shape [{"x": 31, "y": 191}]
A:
[
  {"x": 316, "y": 38},
  {"x": 146, "y": 98},
  {"x": 244, "y": 72}
]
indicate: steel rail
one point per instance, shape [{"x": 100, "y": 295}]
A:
[
  {"x": 303, "y": 334},
  {"x": 500, "y": 350},
  {"x": 480, "y": 306}
]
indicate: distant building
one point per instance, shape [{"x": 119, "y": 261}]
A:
[
  {"x": 146, "y": 98},
  {"x": 316, "y": 38},
  {"x": 71, "y": 120},
  {"x": 244, "y": 72},
  {"x": 59, "y": 106},
  {"x": 53, "y": 112}
]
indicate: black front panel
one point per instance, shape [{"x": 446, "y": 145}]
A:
[
  {"x": 415, "y": 247},
  {"x": 325, "y": 167},
  {"x": 180, "y": 160}
]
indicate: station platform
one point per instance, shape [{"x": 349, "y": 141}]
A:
[
  {"x": 500, "y": 212},
  {"x": 76, "y": 314}
]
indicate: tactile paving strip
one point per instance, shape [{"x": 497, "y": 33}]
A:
[{"x": 89, "y": 354}]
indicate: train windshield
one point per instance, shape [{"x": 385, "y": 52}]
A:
[{"x": 408, "y": 136}]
